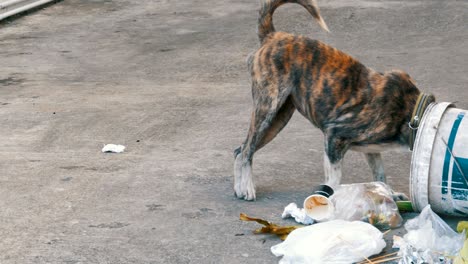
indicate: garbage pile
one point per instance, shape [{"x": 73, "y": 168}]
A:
[
  {"x": 428, "y": 240},
  {"x": 345, "y": 226},
  {"x": 369, "y": 202}
]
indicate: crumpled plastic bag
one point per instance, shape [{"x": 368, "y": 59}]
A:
[
  {"x": 370, "y": 202},
  {"x": 428, "y": 240},
  {"x": 335, "y": 241}
]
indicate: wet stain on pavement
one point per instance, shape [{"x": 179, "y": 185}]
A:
[
  {"x": 10, "y": 81},
  {"x": 111, "y": 225},
  {"x": 203, "y": 212},
  {"x": 155, "y": 207},
  {"x": 71, "y": 167}
]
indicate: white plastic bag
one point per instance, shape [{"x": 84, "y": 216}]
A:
[
  {"x": 371, "y": 202},
  {"x": 336, "y": 241},
  {"x": 429, "y": 240}
]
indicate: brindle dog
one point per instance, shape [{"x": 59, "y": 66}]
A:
[{"x": 356, "y": 107}]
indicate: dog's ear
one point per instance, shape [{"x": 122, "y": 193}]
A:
[
  {"x": 411, "y": 80},
  {"x": 403, "y": 75},
  {"x": 410, "y": 84},
  {"x": 404, "y": 79}
]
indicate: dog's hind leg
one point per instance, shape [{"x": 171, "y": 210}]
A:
[
  {"x": 278, "y": 123},
  {"x": 269, "y": 116},
  {"x": 375, "y": 163}
]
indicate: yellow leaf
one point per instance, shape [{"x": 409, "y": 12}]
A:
[
  {"x": 270, "y": 228},
  {"x": 462, "y": 258}
]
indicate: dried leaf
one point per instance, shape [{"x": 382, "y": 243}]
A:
[
  {"x": 244, "y": 217},
  {"x": 270, "y": 228}
]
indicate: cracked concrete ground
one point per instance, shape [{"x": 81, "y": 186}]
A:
[{"x": 167, "y": 79}]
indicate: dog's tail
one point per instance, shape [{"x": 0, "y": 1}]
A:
[{"x": 265, "y": 19}]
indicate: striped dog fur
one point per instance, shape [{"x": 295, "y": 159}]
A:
[{"x": 354, "y": 106}]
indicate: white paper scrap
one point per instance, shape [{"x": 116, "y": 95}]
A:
[
  {"x": 297, "y": 213},
  {"x": 112, "y": 148}
]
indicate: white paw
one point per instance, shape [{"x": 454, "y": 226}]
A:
[
  {"x": 245, "y": 188},
  {"x": 248, "y": 191}
]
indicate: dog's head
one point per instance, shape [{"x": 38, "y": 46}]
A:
[
  {"x": 408, "y": 87},
  {"x": 408, "y": 95}
]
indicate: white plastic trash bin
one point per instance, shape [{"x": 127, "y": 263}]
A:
[{"x": 439, "y": 164}]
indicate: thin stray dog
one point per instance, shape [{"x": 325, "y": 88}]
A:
[{"x": 356, "y": 107}]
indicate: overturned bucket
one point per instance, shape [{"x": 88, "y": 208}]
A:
[{"x": 439, "y": 164}]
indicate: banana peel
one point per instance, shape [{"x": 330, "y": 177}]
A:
[
  {"x": 463, "y": 225},
  {"x": 270, "y": 228},
  {"x": 462, "y": 258}
]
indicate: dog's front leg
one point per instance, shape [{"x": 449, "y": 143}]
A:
[
  {"x": 332, "y": 171},
  {"x": 333, "y": 159}
]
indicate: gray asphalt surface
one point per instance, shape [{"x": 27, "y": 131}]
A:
[{"x": 168, "y": 80}]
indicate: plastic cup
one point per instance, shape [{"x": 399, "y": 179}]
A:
[{"x": 318, "y": 205}]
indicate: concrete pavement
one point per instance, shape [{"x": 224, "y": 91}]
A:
[{"x": 167, "y": 79}]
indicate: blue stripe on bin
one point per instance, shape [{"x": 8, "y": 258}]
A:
[
  {"x": 459, "y": 182},
  {"x": 451, "y": 141}
]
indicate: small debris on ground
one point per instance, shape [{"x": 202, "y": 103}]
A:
[
  {"x": 298, "y": 214},
  {"x": 270, "y": 228},
  {"x": 112, "y": 148}
]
